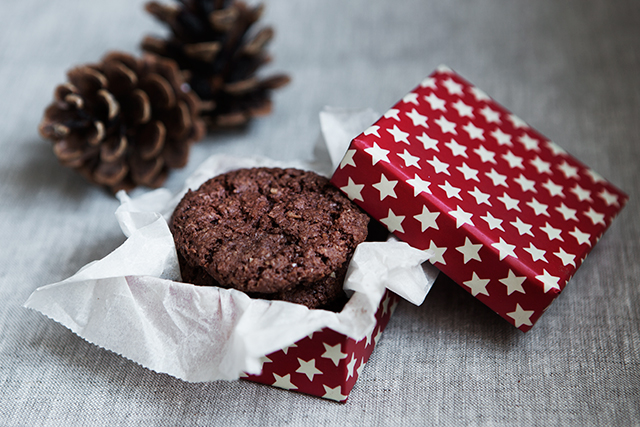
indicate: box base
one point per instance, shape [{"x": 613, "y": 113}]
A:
[{"x": 326, "y": 363}]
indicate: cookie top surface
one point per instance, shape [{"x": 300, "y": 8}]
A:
[{"x": 267, "y": 229}]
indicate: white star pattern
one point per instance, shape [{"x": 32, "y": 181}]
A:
[
  {"x": 536, "y": 254},
  {"x": 485, "y": 155},
  {"x": 517, "y": 122},
  {"x": 529, "y": 143},
  {"x": 553, "y": 188},
  {"x": 609, "y": 198},
  {"x": 333, "y": 353},
  {"x": 480, "y": 196},
  {"x": 513, "y": 160},
  {"x": 502, "y": 138},
  {"x": 369, "y": 337},
  {"x": 461, "y": 217},
  {"x": 393, "y": 222},
  {"x": 347, "y": 160},
  {"x": 520, "y": 316},
  {"x": 373, "y": 130},
  {"x": 377, "y": 154},
  {"x": 452, "y": 192},
  {"x": 581, "y": 238},
  {"x": 333, "y": 393},
  {"x": 419, "y": 185},
  {"x": 474, "y": 131},
  {"x": 541, "y": 165},
  {"x": 427, "y": 219},
  {"x": 308, "y": 368},
  {"x": 446, "y": 126},
  {"x": 457, "y": 149},
  {"x": 385, "y": 305},
  {"x": 469, "y": 174},
  {"x": 463, "y": 109},
  {"x": 478, "y": 94},
  {"x": 417, "y": 118},
  {"x": 492, "y": 222},
  {"x": 551, "y": 208},
  {"x": 440, "y": 167},
  {"x": 538, "y": 208},
  {"x": 428, "y": 142},
  {"x": 513, "y": 283},
  {"x": 568, "y": 170},
  {"x": 523, "y": 228},
  {"x": 469, "y": 251},
  {"x": 351, "y": 365},
  {"x": 284, "y": 382},
  {"x": 353, "y": 190},
  {"x": 509, "y": 202},
  {"x": 548, "y": 281},
  {"x": 360, "y": 368},
  {"x": 595, "y": 176},
  {"x": 526, "y": 184},
  {"x": 477, "y": 285},
  {"x": 377, "y": 337},
  {"x": 399, "y": 135},
  {"x": 553, "y": 233},
  {"x": 452, "y": 87},
  {"x": 581, "y": 194},
  {"x": 504, "y": 249},
  {"x": 286, "y": 349},
  {"x": 567, "y": 213},
  {"x": 392, "y": 113},
  {"x": 435, "y": 102},
  {"x": 409, "y": 159},
  {"x": 491, "y": 116},
  {"x": 386, "y": 187},
  {"x": 595, "y": 217},
  {"x": 555, "y": 148},
  {"x": 438, "y": 253},
  {"x": 498, "y": 179},
  {"x": 411, "y": 98},
  {"x": 429, "y": 82},
  {"x": 265, "y": 359},
  {"x": 567, "y": 259}
]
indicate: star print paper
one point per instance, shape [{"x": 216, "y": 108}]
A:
[
  {"x": 326, "y": 364},
  {"x": 509, "y": 214}
]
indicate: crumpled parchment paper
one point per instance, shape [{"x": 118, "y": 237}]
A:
[{"x": 133, "y": 303}]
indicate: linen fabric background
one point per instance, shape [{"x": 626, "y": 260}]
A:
[{"x": 571, "y": 69}]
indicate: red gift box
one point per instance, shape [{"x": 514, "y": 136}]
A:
[
  {"x": 326, "y": 363},
  {"x": 509, "y": 215}
]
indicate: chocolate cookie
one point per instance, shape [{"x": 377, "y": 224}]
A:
[{"x": 277, "y": 233}]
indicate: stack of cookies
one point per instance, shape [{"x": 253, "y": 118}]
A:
[{"x": 273, "y": 233}]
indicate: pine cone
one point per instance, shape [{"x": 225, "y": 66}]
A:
[
  {"x": 210, "y": 43},
  {"x": 123, "y": 122}
]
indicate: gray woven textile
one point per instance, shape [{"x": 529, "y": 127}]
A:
[{"x": 570, "y": 68}]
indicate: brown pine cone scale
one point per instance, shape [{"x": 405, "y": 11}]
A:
[
  {"x": 211, "y": 42},
  {"x": 123, "y": 122}
]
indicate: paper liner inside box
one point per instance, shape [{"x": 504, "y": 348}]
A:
[
  {"x": 509, "y": 215},
  {"x": 133, "y": 303}
]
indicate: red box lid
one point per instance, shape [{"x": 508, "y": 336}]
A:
[{"x": 509, "y": 214}]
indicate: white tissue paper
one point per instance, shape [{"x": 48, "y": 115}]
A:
[{"x": 133, "y": 303}]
